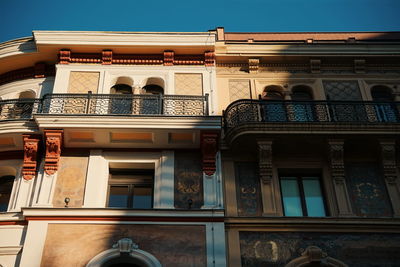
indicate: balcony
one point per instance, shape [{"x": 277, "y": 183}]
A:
[
  {"x": 105, "y": 105},
  {"x": 310, "y": 116}
]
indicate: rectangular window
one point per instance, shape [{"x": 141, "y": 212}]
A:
[
  {"x": 302, "y": 196},
  {"x": 130, "y": 188}
]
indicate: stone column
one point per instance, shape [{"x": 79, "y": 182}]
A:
[
  {"x": 267, "y": 181},
  {"x": 388, "y": 156},
  {"x": 338, "y": 177}
]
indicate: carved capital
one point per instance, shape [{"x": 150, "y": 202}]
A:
[
  {"x": 64, "y": 56},
  {"x": 106, "y": 57},
  {"x": 254, "y": 64},
  {"x": 31, "y": 145},
  {"x": 209, "y": 58},
  {"x": 265, "y": 160},
  {"x": 336, "y": 157},
  {"x": 168, "y": 58},
  {"x": 388, "y": 156},
  {"x": 53, "y": 139},
  {"x": 209, "y": 149}
]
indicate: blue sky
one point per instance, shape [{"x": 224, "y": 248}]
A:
[{"x": 19, "y": 18}]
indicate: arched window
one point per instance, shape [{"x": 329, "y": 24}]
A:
[
  {"x": 274, "y": 107},
  {"x": 385, "y": 110},
  {"x": 303, "y": 107},
  {"x": 6, "y": 184},
  {"x": 24, "y": 106},
  {"x": 153, "y": 89},
  {"x": 121, "y": 101}
]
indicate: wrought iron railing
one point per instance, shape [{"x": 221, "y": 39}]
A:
[
  {"x": 273, "y": 111},
  {"x": 101, "y": 104}
]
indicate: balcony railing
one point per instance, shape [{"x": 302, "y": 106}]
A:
[
  {"x": 101, "y": 104},
  {"x": 272, "y": 111}
]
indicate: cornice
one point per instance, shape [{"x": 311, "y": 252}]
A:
[
  {"x": 111, "y": 39},
  {"x": 17, "y": 47}
]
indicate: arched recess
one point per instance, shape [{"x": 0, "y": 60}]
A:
[
  {"x": 274, "y": 109},
  {"x": 7, "y": 177},
  {"x": 382, "y": 93},
  {"x": 124, "y": 253},
  {"x": 314, "y": 256},
  {"x": 385, "y": 110},
  {"x": 154, "y": 85},
  {"x": 273, "y": 92},
  {"x": 303, "y": 109},
  {"x": 302, "y": 93},
  {"x": 27, "y": 94}
]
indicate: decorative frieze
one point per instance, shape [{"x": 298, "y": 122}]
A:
[
  {"x": 53, "y": 139},
  {"x": 31, "y": 145},
  {"x": 209, "y": 149},
  {"x": 107, "y": 56}
]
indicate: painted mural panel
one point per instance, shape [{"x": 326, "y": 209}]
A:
[
  {"x": 188, "y": 180},
  {"x": 367, "y": 190},
  {"x": 71, "y": 179},
  {"x": 356, "y": 250},
  {"x": 76, "y": 244},
  {"x": 248, "y": 189}
]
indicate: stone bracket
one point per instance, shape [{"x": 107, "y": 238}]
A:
[
  {"x": 209, "y": 149},
  {"x": 31, "y": 146},
  {"x": 169, "y": 58},
  {"x": 106, "y": 57},
  {"x": 53, "y": 139},
  {"x": 254, "y": 64},
  {"x": 265, "y": 161},
  {"x": 209, "y": 58}
]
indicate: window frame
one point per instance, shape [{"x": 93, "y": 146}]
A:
[{"x": 299, "y": 175}]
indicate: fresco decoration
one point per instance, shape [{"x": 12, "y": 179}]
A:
[
  {"x": 356, "y": 250},
  {"x": 188, "y": 180},
  {"x": 248, "y": 189},
  {"x": 367, "y": 190}
]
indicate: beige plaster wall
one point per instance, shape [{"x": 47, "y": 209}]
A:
[
  {"x": 76, "y": 244},
  {"x": 71, "y": 180}
]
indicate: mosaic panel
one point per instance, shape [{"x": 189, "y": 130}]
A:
[
  {"x": 367, "y": 190},
  {"x": 357, "y": 250},
  {"x": 239, "y": 89},
  {"x": 248, "y": 189},
  {"x": 188, "y": 84},
  {"x": 342, "y": 90},
  {"x": 188, "y": 180},
  {"x": 81, "y": 82}
]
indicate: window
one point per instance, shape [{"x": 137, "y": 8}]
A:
[
  {"x": 130, "y": 188},
  {"x": 302, "y": 196},
  {"x": 6, "y": 184},
  {"x": 302, "y": 109},
  {"x": 274, "y": 107},
  {"x": 385, "y": 109}
]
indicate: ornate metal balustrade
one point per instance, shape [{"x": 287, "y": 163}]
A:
[
  {"x": 348, "y": 112},
  {"x": 100, "y": 104},
  {"x": 18, "y": 109}
]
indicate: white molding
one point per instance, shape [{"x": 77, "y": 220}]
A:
[
  {"x": 17, "y": 127},
  {"x": 44, "y": 188},
  {"x": 101, "y": 212},
  {"x": 215, "y": 240},
  {"x": 17, "y": 47},
  {"x": 34, "y": 244},
  {"x": 212, "y": 188},
  {"x": 113, "y": 39},
  {"x": 156, "y": 122},
  {"x": 10, "y": 250},
  {"x": 96, "y": 180}
]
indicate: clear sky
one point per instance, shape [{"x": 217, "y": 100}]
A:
[{"x": 19, "y": 18}]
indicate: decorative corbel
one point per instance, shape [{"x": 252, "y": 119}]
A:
[
  {"x": 315, "y": 65},
  {"x": 388, "y": 154},
  {"x": 53, "y": 139},
  {"x": 359, "y": 66},
  {"x": 265, "y": 161},
  {"x": 209, "y": 148},
  {"x": 64, "y": 56},
  {"x": 106, "y": 57},
  {"x": 254, "y": 64},
  {"x": 209, "y": 58},
  {"x": 125, "y": 245},
  {"x": 168, "y": 58},
  {"x": 31, "y": 145},
  {"x": 40, "y": 70}
]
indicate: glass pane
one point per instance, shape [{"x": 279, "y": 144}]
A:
[
  {"x": 313, "y": 197},
  {"x": 118, "y": 197},
  {"x": 142, "y": 198},
  {"x": 291, "y": 197}
]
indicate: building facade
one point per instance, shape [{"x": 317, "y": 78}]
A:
[{"x": 200, "y": 149}]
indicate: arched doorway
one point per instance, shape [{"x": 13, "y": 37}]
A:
[
  {"x": 274, "y": 107},
  {"x": 303, "y": 107},
  {"x": 384, "y": 107},
  {"x": 121, "y": 99}
]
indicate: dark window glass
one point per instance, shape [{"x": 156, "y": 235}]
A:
[
  {"x": 302, "y": 196},
  {"x": 118, "y": 196},
  {"x": 142, "y": 197},
  {"x": 6, "y": 184}
]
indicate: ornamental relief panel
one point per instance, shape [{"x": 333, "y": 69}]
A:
[
  {"x": 81, "y": 82},
  {"x": 239, "y": 89},
  {"x": 188, "y": 84}
]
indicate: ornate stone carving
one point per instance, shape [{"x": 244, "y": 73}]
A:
[
  {"x": 337, "y": 160},
  {"x": 265, "y": 161},
  {"x": 209, "y": 58},
  {"x": 254, "y": 64},
  {"x": 53, "y": 140},
  {"x": 388, "y": 154},
  {"x": 125, "y": 245},
  {"x": 314, "y": 255},
  {"x": 64, "y": 56},
  {"x": 209, "y": 148},
  {"x": 106, "y": 57},
  {"x": 30, "y": 156},
  {"x": 168, "y": 58},
  {"x": 315, "y": 65}
]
